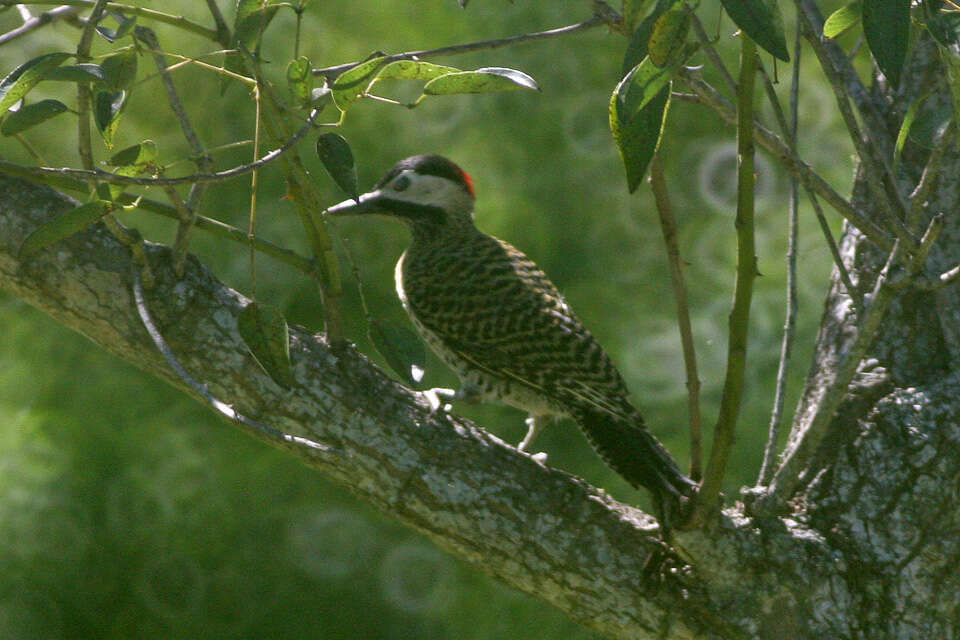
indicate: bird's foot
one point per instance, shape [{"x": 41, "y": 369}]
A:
[{"x": 433, "y": 398}]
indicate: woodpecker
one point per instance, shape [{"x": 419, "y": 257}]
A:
[{"x": 496, "y": 319}]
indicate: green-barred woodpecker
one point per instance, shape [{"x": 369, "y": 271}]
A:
[{"x": 493, "y": 316}]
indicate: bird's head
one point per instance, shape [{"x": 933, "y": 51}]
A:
[{"x": 425, "y": 191}]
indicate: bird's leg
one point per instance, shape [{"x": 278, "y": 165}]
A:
[{"x": 535, "y": 425}]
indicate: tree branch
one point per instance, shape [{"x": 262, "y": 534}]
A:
[{"x": 536, "y": 528}]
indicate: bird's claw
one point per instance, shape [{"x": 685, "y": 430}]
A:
[{"x": 433, "y": 398}]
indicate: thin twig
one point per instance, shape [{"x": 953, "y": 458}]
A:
[
  {"x": 878, "y": 170},
  {"x": 852, "y": 291},
  {"x": 332, "y": 72},
  {"x": 739, "y": 323},
  {"x": 710, "y": 97},
  {"x": 35, "y": 22},
  {"x": 202, "y": 390},
  {"x": 928, "y": 179},
  {"x": 790, "y": 319},
  {"x": 166, "y": 18},
  {"x": 204, "y": 161},
  {"x": 790, "y": 474},
  {"x": 668, "y": 226},
  {"x": 113, "y": 178},
  {"x": 84, "y": 144},
  {"x": 223, "y": 30},
  {"x": 251, "y": 230},
  {"x": 711, "y": 52},
  {"x": 303, "y": 192},
  {"x": 133, "y": 240}
]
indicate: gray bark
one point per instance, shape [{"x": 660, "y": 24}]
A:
[{"x": 867, "y": 546}]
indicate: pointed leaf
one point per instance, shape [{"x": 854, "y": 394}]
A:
[
  {"x": 414, "y": 70},
  {"x": 762, "y": 21},
  {"x": 126, "y": 25},
  {"x": 19, "y": 81},
  {"x": 63, "y": 226},
  {"x": 300, "y": 80},
  {"x": 638, "y": 138},
  {"x": 886, "y": 25},
  {"x": 643, "y": 83},
  {"x": 639, "y": 41},
  {"x": 337, "y": 159},
  {"x": 842, "y": 19},
  {"x": 30, "y": 115},
  {"x": 668, "y": 37},
  {"x": 265, "y": 332},
  {"x": 250, "y": 21},
  {"x": 85, "y": 72},
  {"x": 485, "y": 80},
  {"x": 120, "y": 69},
  {"x": 137, "y": 154},
  {"x": 107, "y": 108},
  {"x": 631, "y": 10},
  {"x": 400, "y": 347},
  {"x": 114, "y": 191},
  {"x": 351, "y": 84}
]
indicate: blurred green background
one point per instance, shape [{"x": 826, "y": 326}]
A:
[{"x": 127, "y": 510}]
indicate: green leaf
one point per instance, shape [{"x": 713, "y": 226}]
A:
[
  {"x": 905, "y": 128},
  {"x": 19, "y": 81},
  {"x": 485, "y": 80},
  {"x": 30, "y": 115},
  {"x": 126, "y": 25},
  {"x": 63, "y": 226},
  {"x": 413, "y": 70},
  {"x": 114, "y": 191},
  {"x": 762, "y": 21},
  {"x": 643, "y": 83},
  {"x": 631, "y": 10},
  {"x": 337, "y": 159},
  {"x": 107, "y": 108},
  {"x": 120, "y": 69},
  {"x": 400, "y": 347},
  {"x": 842, "y": 19},
  {"x": 886, "y": 25},
  {"x": 638, "y": 137},
  {"x": 351, "y": 84},
  {"x": 250, "y": 21},
  {"x": 138, "y": 154},
  {"x": 265, "y": 332},
  {"x": 300, "y": 80},
  {"x": 668, "y": 37},
  {"x": 639, "y": 42},
  {"x": 85, "y": 72}
]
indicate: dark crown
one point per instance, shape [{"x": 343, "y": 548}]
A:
[{"x": 431, "y": 165}]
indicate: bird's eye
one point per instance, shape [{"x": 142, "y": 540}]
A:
[{"x": 401, "y": 183}]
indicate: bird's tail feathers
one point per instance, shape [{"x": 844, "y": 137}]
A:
[{"x": 635, "y": 453}]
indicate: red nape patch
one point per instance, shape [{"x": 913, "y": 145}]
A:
[{"x": 467, "y": 180}]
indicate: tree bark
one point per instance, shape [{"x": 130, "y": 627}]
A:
[{"x": 866, "y": 547}]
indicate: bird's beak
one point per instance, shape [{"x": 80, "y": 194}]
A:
[{"x": 371, "y": 202}]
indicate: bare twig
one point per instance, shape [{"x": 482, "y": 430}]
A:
[
  {"x": 84, "y": 145},
  {"x": 878, "y": 170},
  {"x": 35, "y": 22},
  {"x": 711, "y": 52},
  {"x": 159, "y": 16},
  {"x": 710, "y": 97},
  {"x": 725, "y": 428},
  {"x": 204, "y": 161},
  {"x": 332, "y": 72},
  {"x": 852, "y": 291},
  {"x": 202, "y": 390},
  {"x": 113, "y": 178},
  {"x": 790, "y": 319},
  {"x": 223, "y": 31},
  {"x": 668, "y": 226},
  {"x": 790, "y": 474},
  {"x": 928, "y": 179}
]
